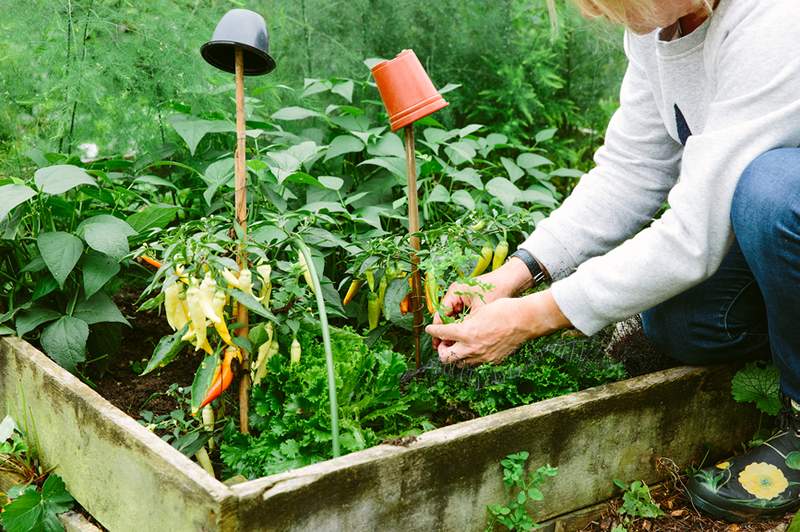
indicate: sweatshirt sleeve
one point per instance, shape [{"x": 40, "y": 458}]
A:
[
  {"x": 754, "y": 108},
  {"x": 635, "y": 169}
]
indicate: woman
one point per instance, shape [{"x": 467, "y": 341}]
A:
[{"x": 709, "y": 121}]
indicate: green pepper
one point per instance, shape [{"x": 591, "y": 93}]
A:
[
  {"x": 500, "y": 254},
  {"x": 484, "y": 261},
  {"x": 373, "y": 310}
]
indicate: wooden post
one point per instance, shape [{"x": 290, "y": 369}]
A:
[
  {"x": 417, "y": 301},
  {"x": 240, "y": 169}
]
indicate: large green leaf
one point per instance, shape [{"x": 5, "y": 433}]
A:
[
  {"x": 33, "y": 510},
  {"x": 28, "y": 320},
  {"x": 65, "y": 341},
  {"x": 344, "y": 89},
  {"x": 395, "y": 293},
  {"x": 61, "y": 178},
  {"x": 463, "y": 198},
  {"x": 294, "y": 113},
  {"x": 395, "y": 165},
  {"x": 216, "y": 175},
  {"x": 152, "y": 216},
  {"x": 439, "y": 194},
  {"x": 344, "y": 144},
  {"x": 107, "y": 234},
  {"x": 504, "y": 190},
  {"x": 252, "y": 304},
  {"x": 99, "y": 309},
  {"x": 192, "y": 130},
  {"x": 758, "y": 384},
  {"x": 514, "y": 171},
  {"x": 532, "y": 160},
  {"x": 167, "y": 349},
  {"x": 13, "y": 195},
  {"x": 388, "y": 145},
  {"x": 98, "y": 269},
  {"x": 60, "y": 252}
]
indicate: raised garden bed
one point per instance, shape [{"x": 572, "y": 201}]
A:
[{"x": 129, "y": 479}]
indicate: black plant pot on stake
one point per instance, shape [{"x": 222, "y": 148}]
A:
[{"x": 240, "y": 45}]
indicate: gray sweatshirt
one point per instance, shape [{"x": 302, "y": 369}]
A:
[{"x": 694, "y": 113}]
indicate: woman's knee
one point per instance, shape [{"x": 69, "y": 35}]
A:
[
  {"x": 668, "y": 329},
  {"x": 764, "y": 196}
]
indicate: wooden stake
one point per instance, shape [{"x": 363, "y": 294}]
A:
[
  {"x": 240, "y": 169},
  {"x": 417, "y": 301}
]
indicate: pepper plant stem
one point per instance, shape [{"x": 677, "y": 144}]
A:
[
  {"x": 241, "y": 219},
  {"x": 326, "y": 341},
  {"x": 413, "y": 228}
]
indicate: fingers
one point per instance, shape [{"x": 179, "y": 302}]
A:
[
  {"x": 455, "y": 332},
  {"x": 453, "y": 302},
  {"x": 452, "y": 353}
]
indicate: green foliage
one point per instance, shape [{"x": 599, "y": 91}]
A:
[
  {"x": 26, "y": 507},
  {"x": 760, "y": 384},
  {"x": 290, "y": 415},
  {"x": 521, "y": 490},
  {"x": 184, "y": 432},
  {"x": 62, "y": 243},
  {"x": 109, "y": 73},
  {"x": 526, "y": 377},
  {"x": 637, "y": 501},
  {"x": 33, "y": 509}
]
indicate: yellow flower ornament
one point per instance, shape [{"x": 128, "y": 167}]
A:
[
  {"x": 723, "y": 465},
  {"x": 762, "y": 480}
]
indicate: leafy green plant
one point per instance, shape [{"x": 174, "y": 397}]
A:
[
  {"x": 62, "y": 247},
  {"x": 637, "y": 501},
  {"x": 290, "y": 416},
  {"x": 521, "y": 489},
  {"x": 36, "y": 497},
  {"x": 178, "y": 428},
  {"x": 758, "y": 383},
  {"x": 34, "y": 509}
]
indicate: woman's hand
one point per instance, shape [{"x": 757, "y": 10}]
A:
[
  {"x": 506, "y": 281},
  {"x": 493, "y": 331}
]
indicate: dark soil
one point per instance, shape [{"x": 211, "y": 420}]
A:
[
  {"x": 681, "y": 516},
  {"x": 631, "y": 347},
  {"x": 121, "y": 384}
]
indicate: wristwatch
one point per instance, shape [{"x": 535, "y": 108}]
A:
[{"x": 537, "y": 272}]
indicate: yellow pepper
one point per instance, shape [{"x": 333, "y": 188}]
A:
[
  {"x": 301, "y": 259},
  {"x": 174, "y": 305},
  {"x": 246, "y": 282},
  {"x": 266, "y": 351},
  {"x": 208, "y": 288},
  {"x": 295, "y": 351},
  {"x": 219, "y": 309},
  {"x": 198, "y": 319},
  {"x": 352, "y": 292},
  {"x": 265, "y": 273},
  {"x": 231, "y": 278}
]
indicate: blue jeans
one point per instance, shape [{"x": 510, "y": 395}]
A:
[{"x": 751, "y": 305}]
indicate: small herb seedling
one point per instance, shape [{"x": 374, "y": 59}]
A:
[
  {"x": 520, "y": 489},
  {"x": 637, "y": 501}
]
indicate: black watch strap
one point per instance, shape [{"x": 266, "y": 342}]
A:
[{"x": 538, "y": 274}]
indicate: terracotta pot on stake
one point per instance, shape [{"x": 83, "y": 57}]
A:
[
  {"x": 240, "y": 45},
  {"x": 409, "y": 95}
]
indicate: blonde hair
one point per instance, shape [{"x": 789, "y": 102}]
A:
[{"x": 614, "y": 10}]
